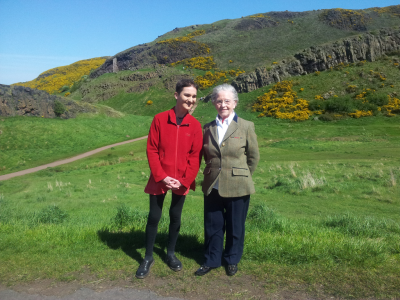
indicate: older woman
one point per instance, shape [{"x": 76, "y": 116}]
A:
[{"x": 231, "y": 154}]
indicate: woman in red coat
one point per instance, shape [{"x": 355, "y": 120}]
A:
[{"x": 174, "y": 153}]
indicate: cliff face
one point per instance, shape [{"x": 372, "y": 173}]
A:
[
  {"x": 24, "y": 101},
  {"x": 144, "y": 56},
  {"x": 350, "y": 50}
]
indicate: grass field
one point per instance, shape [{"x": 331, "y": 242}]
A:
[
  {"x": 30, "y": 142},
  {"x": 324, "y": 221}
]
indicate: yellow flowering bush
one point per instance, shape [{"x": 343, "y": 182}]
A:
[
  {"x": 282, "y": 102},
  {"x": 201, "y": 63},
  {"x": 209, "y": 79},
  {"x": 53, "y": 80},
  {"x": 259, "y": 16},
  {"x": 175, "y": 43},
  {"x": 67, "y": 94},
  {"x": 392, "y": 107},
  {"x": 361, "y": 113}
]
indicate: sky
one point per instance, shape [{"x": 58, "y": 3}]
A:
[{"x": 38, "y": 35}]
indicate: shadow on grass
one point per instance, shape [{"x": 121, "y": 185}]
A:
[{"x": 130, "y": 242}]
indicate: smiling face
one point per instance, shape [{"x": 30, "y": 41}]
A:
[
  {"x": 225, "y": 104},
  {"x": 185, "y": 100}
]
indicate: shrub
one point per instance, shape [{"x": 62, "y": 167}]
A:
[
  {"x": 59, "y": 108},
  {"x": 282, "y": 102},
  {"x": 125, "y": 216},
  {"x": 340, "y": 104},
  {"x": 51, "y": 215}
]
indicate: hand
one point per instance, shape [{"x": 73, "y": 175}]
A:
[{"x": 171, "y": 183}]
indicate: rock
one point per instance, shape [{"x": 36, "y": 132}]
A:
[
  {"x": 24, "y": 101},
  {"x": 319, "y": 58}
]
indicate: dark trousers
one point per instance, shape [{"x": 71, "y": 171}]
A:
[
  {"x": 175, "y": 212},
  {"x": 224, "y": 215}
]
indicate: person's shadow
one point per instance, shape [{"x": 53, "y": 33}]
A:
[{"x": 129, "y": 242}]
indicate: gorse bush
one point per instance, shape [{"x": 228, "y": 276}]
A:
[
  {"x": 53, "y": 80},
  {"x": 201, "y": 63},
  {"x": 282, "y": 102}
]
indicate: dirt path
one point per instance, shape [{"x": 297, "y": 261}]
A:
[{"x": 67, "y": 160}]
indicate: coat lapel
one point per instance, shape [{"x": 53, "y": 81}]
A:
[
  {"x": 231, "y": 129},
  {"x": 214, "y": 133}
]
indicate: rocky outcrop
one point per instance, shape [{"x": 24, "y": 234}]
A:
[
  {"x": 350, "y": 50},
  {"x": 143, "y": 56},
  {"x": 24, "y": 101}
]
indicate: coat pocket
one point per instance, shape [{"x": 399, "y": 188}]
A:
[{"x": 240, "y": 172}]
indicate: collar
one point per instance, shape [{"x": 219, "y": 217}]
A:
[
  {"x": 172, "y": 117},
  {"x": 228, "y": 120}
]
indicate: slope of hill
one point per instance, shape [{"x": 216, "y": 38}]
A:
[
  {"x": 60, "y": 79},
  {"x": 253, "y": 41}
]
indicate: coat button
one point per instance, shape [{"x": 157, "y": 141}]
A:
[{"x": 223, "y": 144}]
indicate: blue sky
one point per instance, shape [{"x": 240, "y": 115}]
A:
[{"x": 37, "y": 35}]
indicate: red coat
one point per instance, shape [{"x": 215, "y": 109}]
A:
[{"x": 173, "y": 151}]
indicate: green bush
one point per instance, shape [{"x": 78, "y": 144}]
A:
[
  {"x": 339, "y": 105},
  {"x": 64, "y": 88},
  {"x": 59, "y": 108},
  {"x": 51, "y": 215},
  {"x": 127, "y": 217}
]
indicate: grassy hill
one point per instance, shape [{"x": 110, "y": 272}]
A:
[{"x": 61, "y": 79}]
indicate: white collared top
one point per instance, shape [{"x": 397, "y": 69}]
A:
[{"x": 222, "y": 127}]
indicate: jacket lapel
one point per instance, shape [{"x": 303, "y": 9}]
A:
[
  {"x": 231, "y": 129},
  {"x": 214, "y": 133}
]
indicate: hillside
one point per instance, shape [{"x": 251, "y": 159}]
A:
[
  {"x": 254, "y": 52},
  {"x": 61, "y": 79},
  {"x": 254, "y": 41},
  {"x": 251, "y": 52}
]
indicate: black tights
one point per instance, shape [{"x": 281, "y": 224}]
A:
[{"x": 175, "y": 212}]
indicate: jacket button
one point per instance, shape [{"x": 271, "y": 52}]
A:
[{"x": 223, "y": 144}]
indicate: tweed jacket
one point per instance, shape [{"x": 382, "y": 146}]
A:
[{"x": 234, "y": 162}]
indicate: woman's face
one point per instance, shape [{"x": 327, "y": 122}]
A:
[{"x": 224, "y": 104}]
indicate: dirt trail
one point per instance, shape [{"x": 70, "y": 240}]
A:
[{"x": 67, "y": 160}]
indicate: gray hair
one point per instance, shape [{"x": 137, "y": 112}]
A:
[{"x": 224, "y": 87}]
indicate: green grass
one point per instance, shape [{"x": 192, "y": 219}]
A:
[
  {"x": 326, "y": 212},
  {"x": 29, "y": 142}
]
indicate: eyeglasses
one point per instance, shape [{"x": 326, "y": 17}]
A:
[{"x": 227, "y": 102}]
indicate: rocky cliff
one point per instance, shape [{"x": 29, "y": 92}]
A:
[
  {"x": 368, "y": 46},
  {"x": 146, "y": 55},
  {"x": 24, "y": 101}
]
